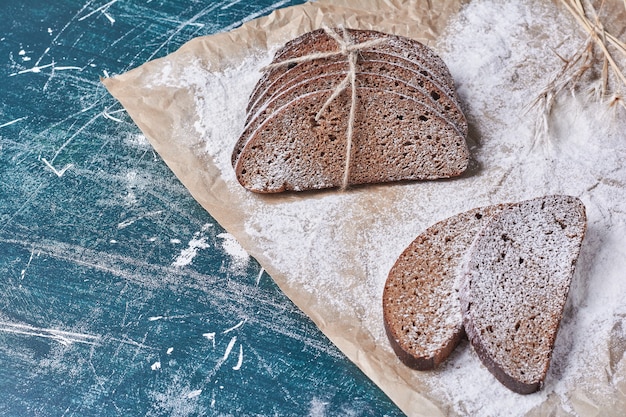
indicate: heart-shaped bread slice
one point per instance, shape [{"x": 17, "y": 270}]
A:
[
  {"x": 421, "y": 308},
  {"x": 517, "y": 279}
]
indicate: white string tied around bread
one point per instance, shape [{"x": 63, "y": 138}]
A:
[{"x": 350, "y": 49}]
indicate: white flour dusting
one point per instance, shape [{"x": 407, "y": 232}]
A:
[
  {"x": 199, "y": 241},
  {"x": 336, "y": 249},
  {"x": 501, "y": 55},
  {"x": 239, "y": 257}
]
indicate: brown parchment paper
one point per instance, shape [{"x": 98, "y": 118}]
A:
[{"x": 167, "y": 115}]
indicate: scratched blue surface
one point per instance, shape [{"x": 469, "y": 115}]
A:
[{"x": 120, "y": 295}]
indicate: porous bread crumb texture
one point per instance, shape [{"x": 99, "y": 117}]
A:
[
  {"x": 277, "y": 79},
  {"x": 276, "y": 159},
  {"x": 369, "y": 74},
  {"x": 421, "y": 308},
  {"x": 517, "y": 279},
  {"x": 406, "y": 85},
  {"x": 410, "y": 49},
  {"x": 408, "y": 124},
  {"x": 400, "y": 137}
]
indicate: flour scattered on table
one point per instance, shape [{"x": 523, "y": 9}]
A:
[
  {"x": 194, "y": 393},
  {"x": 210, "y": 336},
  {"x": 318, "y": 407},
  {"x": 137, "y": 140},
  {"x": 239, "y": 257},
  {"x": 199, "y": 241}
]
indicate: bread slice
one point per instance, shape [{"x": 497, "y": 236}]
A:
[
  {"x": 409, "y": 51},
  {"x": 516, "y": 283},
  {"x": 421, "y": 55},
  {"x": 442, "y": 108},
  {"x": 395, "y": 138},
  {"x": 423, "y": 88},
  {"x": 421, "y": 308},
  {"x": 286, "y": 76}
]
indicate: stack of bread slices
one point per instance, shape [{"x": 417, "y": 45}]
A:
[
  {"x": 501, "y": 274},
  {"x": 340, "y": 107}
]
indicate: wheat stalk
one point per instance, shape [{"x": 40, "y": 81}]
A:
[
  {"x": 573, "y": 69},
  {"x": 596, "y": 31},
  {"x": 583, "y": 60}
]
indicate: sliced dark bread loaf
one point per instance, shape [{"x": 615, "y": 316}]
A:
[
  {"x": 318, "y": 41},
  {"x": 421, "y": 308},
  {"x": 431, "y": 94},
  {"x": 370, "y": 80},
  {"x": 395, "y": 138},
  {"x": 516, "y": 284},
  {"x": 297, "y": 72},
  {"x": 410, "y": 49},
  {"x": 284, "y": 138}
]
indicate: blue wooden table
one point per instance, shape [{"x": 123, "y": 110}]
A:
[{"x": 120, "y": 294}]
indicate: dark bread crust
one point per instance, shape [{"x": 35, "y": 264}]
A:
[
  {"x": 498, "y": 372},
  {"x": 516, "y": 284},
  {"x": 280, "y": 78},
  {"x": 421, "y": 309},
  {"x": 422, "y": 57},
  {"x": 422, "y": 363}
]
